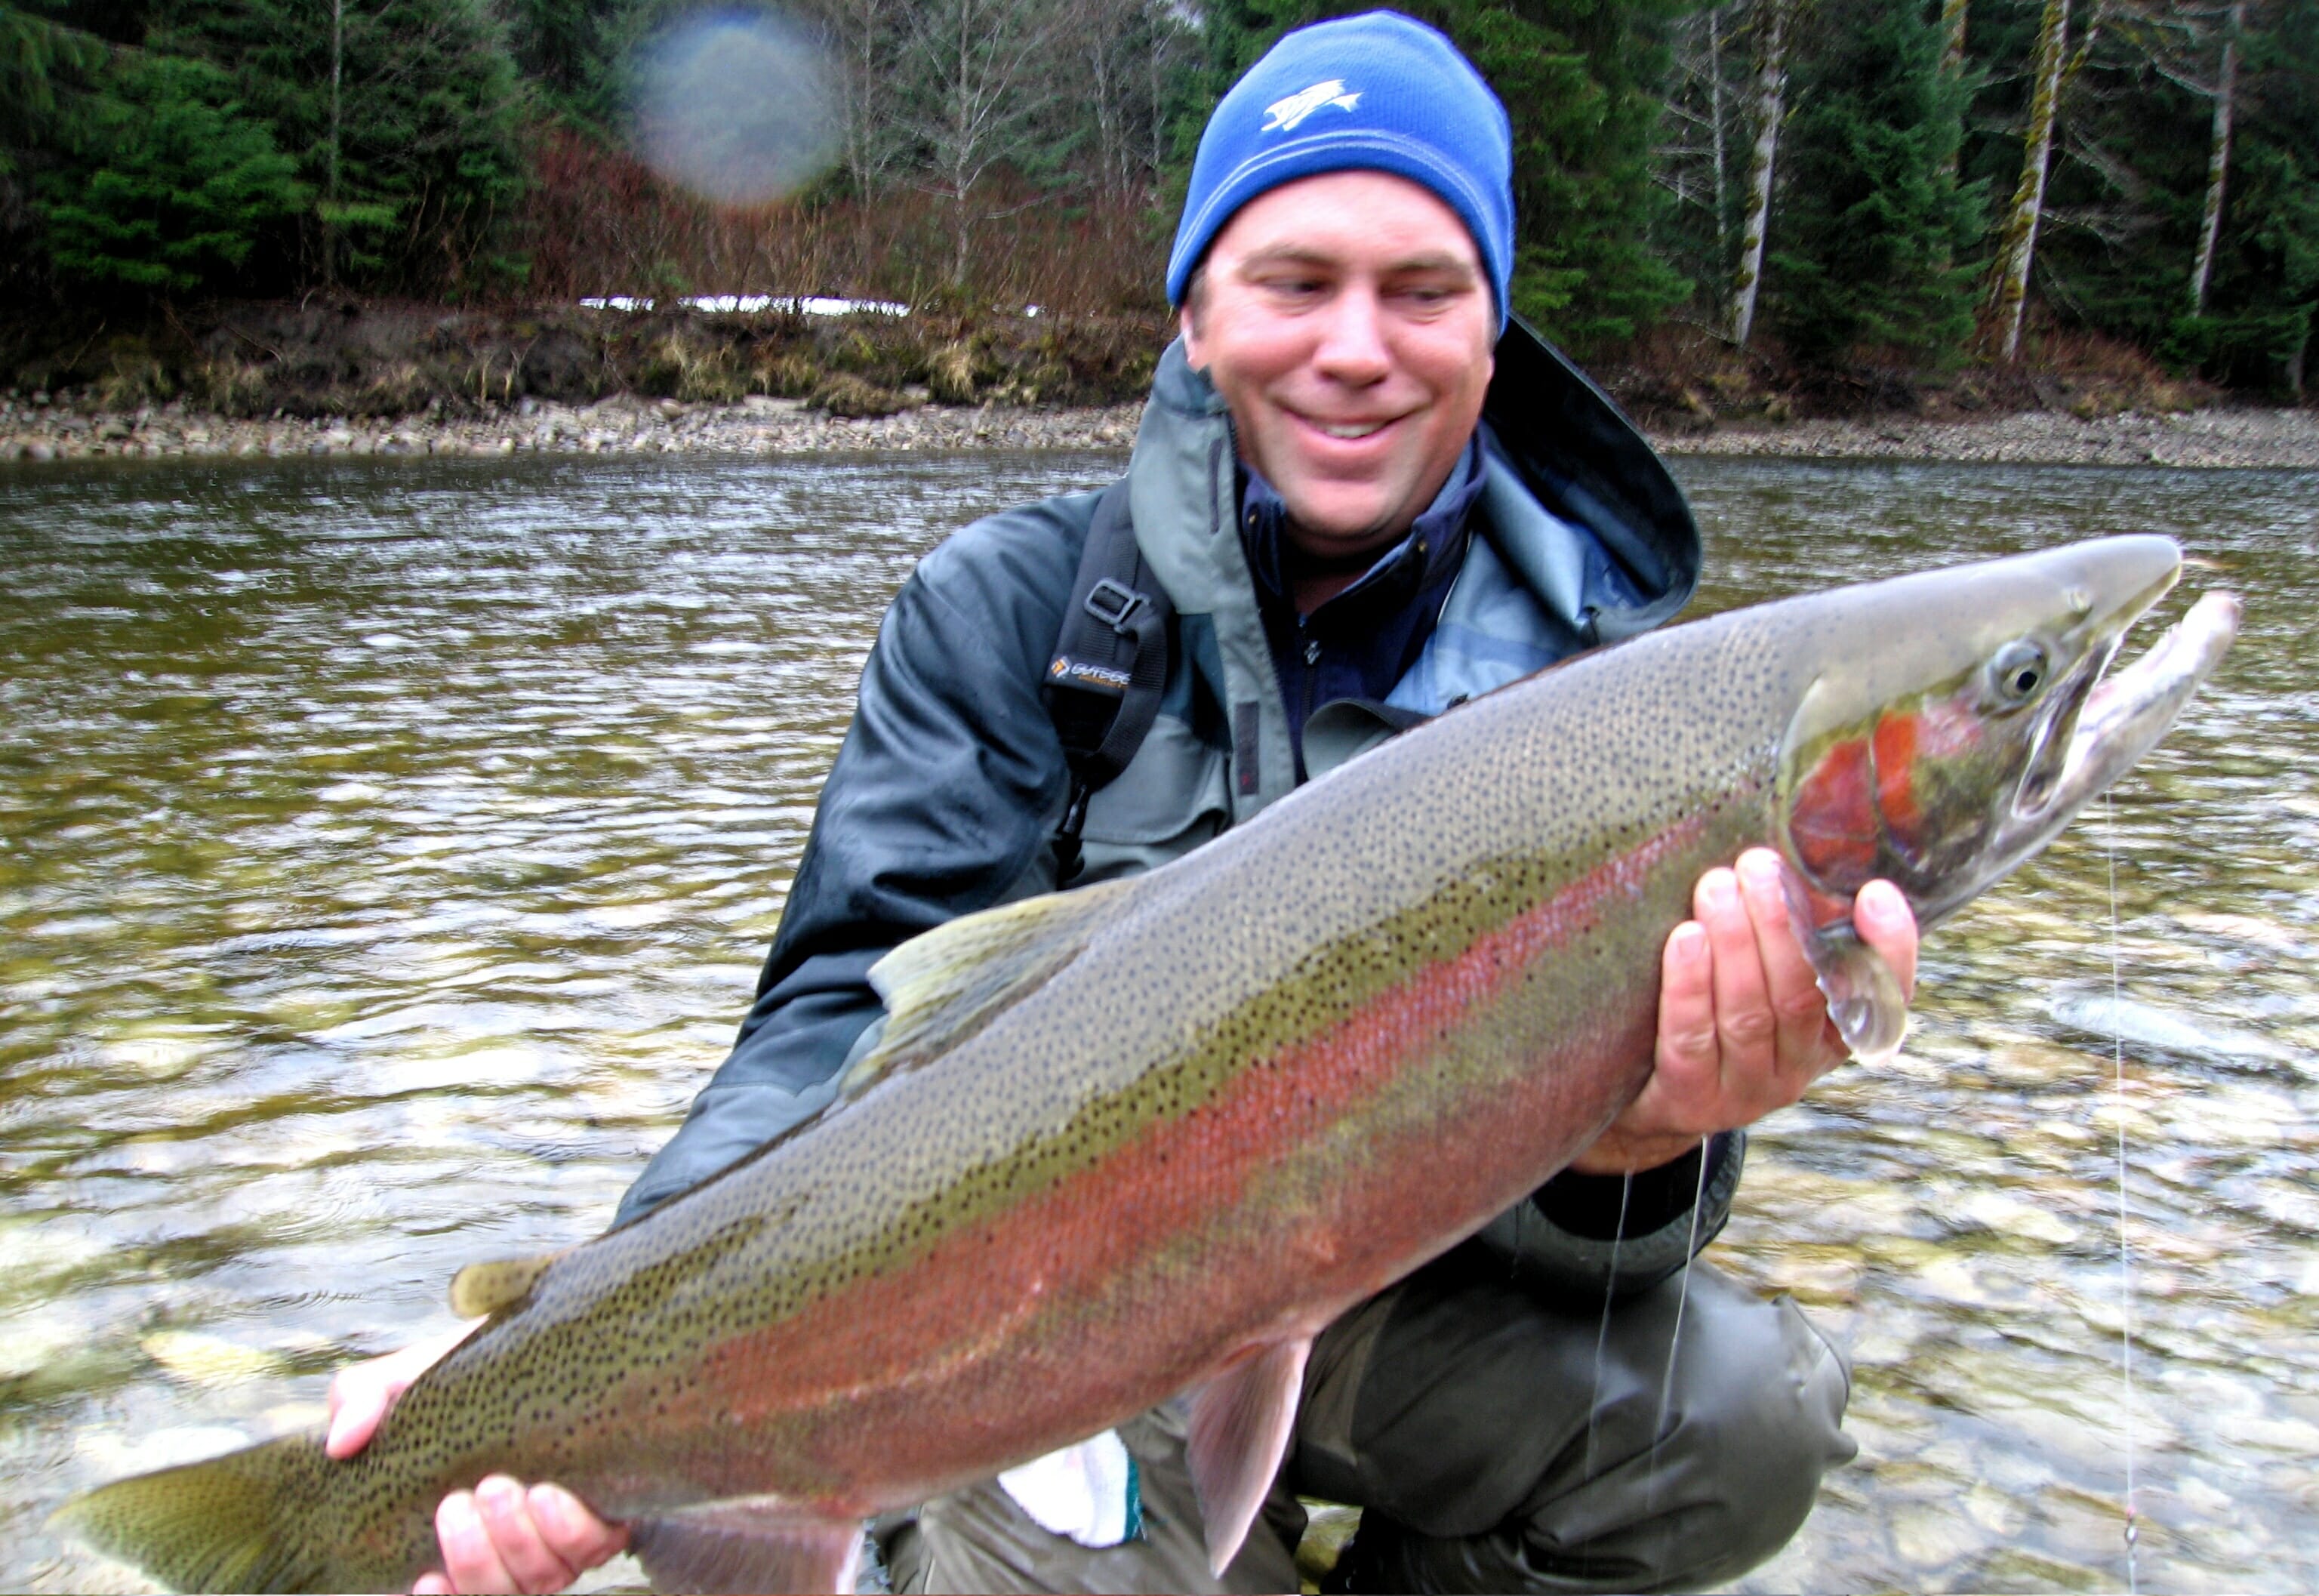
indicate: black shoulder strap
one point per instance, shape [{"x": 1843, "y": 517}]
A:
[{"x": 1110, "y": 663}]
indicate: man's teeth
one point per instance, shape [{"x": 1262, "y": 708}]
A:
[{"x": 1350, "y": 428}]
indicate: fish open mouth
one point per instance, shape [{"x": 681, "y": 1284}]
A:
[
  {"x": 2057, "y": 730},
  {"x": 2095, "y": 726},
  {"x": 2101, "y": 724}
]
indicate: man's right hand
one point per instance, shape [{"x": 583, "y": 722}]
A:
[{"x": 499, "y": 1537}]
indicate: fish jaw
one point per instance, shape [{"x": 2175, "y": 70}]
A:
[
  {"x": 2127, "y": 713},
  {"x": 2117, "y": 719},
  {"x": 1941, "y": 761},
  {"x": 2101, "y": 730}
]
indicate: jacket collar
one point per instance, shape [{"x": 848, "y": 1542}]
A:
[
  {"x": 1575, "y": 508},
  {"x": 1434, "y": 543}
]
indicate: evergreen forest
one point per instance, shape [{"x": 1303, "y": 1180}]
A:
[{"x": 1844, "y": 185}]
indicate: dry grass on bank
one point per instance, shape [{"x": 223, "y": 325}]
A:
[
  {"x": 1683, "y": 380},
  {"x": 369, "y": 359}
]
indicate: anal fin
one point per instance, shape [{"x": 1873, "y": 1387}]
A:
[
  {"x": 1240, "y": 1428},
  {"x": 743, "y": 1547}
]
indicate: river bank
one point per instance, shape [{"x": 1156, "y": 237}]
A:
[
  {"x": 622, "y": 425},
  {"x": 2266, "y": 438},
  {"x": 757, "y": 425}
]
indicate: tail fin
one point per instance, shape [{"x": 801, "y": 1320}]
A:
[{"x": 262, "y": 1519}]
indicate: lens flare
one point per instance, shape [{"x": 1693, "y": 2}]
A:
[{"x": 736, "y": 106}]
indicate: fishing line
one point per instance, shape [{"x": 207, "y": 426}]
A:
[
  {"x": 1602, "y": 1340},
  {"x": 2124, "y": 1249},
  {"x": 1603, "y": 1332},
  {"x": 1674, "y": 1340}
]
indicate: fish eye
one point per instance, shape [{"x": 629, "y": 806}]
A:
[{"x": 2018, "y": 671}]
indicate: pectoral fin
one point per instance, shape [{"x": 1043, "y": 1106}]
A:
[
  {"x": 496, "y": 1283},
  {"x": 1864, "y": 995},
  {"x": 943, "y": 986},
  {"x": 1241, "y": 1422},
  {"x": 742, "y": 1546}
]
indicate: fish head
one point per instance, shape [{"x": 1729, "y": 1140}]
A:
[{"x": 1962, "y": 716}]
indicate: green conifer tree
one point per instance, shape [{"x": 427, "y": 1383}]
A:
[
  {"x": 1878, "y": 236},
  {"x": 1580, "y": 84},
  {"x": 405, "y": 117},
  {"x": 174, "y": 187},
  {"x": 1578, "y": 79},
  {"x": 44, "y": 63},
  {"x": 49, "y": 70},
  {"x": 2257, "y": 329}
]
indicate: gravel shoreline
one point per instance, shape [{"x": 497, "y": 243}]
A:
[
  {"x": 621, "y": 425},
  {"x": 2240, "y": 438},
  {"x": 30, "y": 431}
]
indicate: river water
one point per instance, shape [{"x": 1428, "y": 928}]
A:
[{"x": 386, "y": 852}]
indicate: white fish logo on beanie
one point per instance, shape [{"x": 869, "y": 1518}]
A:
[{"x": 1283, "y": 115}]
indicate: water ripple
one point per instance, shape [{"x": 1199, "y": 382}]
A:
[{"x": 387, "y": 851}]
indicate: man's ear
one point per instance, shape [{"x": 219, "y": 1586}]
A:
[{"x": 1187, "y": 326}]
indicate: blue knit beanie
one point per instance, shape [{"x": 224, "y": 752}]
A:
[{"x": 1377, "y": 92}]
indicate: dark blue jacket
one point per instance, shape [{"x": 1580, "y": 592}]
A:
[{"x": 946, "y": 794}]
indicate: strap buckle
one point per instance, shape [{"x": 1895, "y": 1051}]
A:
[{"x": 1113, "y": 605}]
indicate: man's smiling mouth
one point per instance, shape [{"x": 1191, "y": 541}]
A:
[{"x": 1348, "y": 430}]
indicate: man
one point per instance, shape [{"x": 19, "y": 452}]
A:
[{"x": 1367, "y": 497}]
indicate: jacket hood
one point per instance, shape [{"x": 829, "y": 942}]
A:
[{"x": 1583, "y": 459}]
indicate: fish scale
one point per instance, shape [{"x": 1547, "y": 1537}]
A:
[{"x": 1118, "y": 1143}]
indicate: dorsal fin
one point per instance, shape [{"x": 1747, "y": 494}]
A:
[
  {"x": 943, "y": 986},
  {"x": 496, "y": 1283}
]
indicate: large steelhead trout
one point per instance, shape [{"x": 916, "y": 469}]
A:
[{"x": 1153, "y": 1135}]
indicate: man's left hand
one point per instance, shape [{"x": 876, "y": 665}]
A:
[{"x": 1743, "y": 1027}]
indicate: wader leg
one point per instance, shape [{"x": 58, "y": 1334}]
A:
[
  {"x": 1455, "y": 1409},
  {"x": 976, "y": 1540}
]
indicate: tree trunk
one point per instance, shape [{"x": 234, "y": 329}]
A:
[
  {"x": 1952, "y": 19},
  {"x": 861, "y": 131},
  {"x": 2020, "y": 243},
  {"x": 2219, "y": 158},
  {"x": 1770, "y": 94},
  {"x": 1715, "y": 130},
  {"x": 965, "y": 145},
  {"x": 859, "y": 35},
  {"x": 330, "y": 177}
]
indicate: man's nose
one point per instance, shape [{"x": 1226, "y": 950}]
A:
[{"x": 1352, "y": 348}]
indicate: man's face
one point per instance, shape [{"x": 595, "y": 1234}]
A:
[{"x": 1348, "y": 323}]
